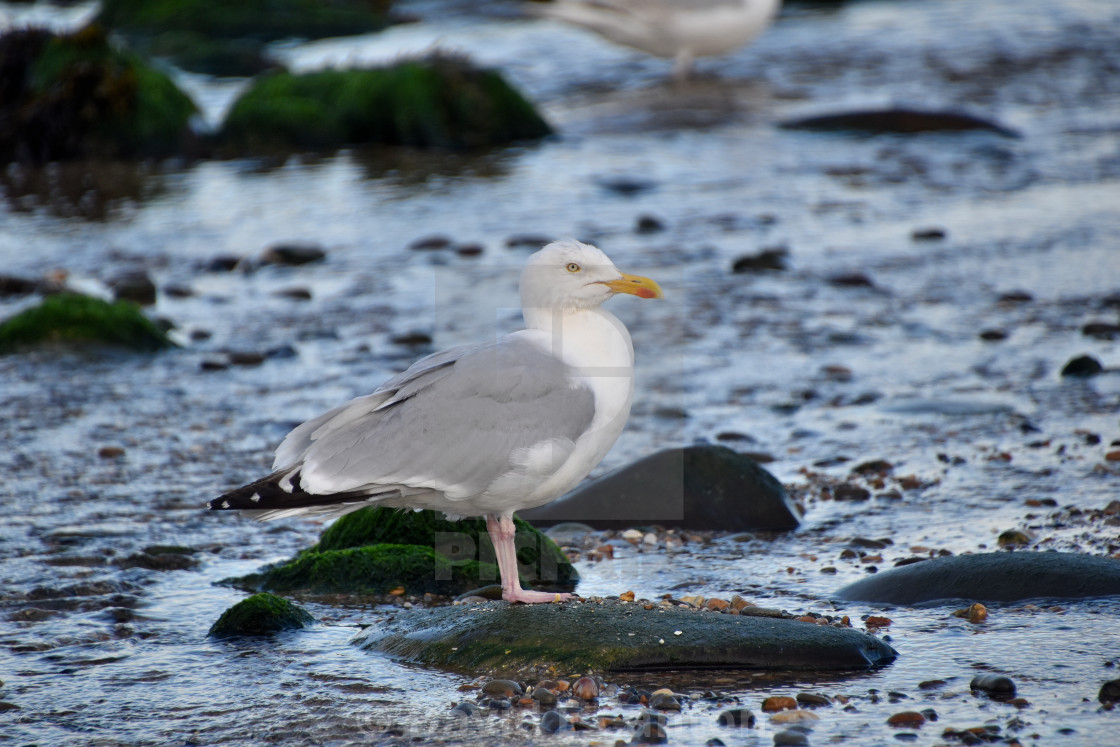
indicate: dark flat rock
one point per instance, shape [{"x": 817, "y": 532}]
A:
[
  {"x": 991, "y": 577},
  {"x": 897, "y": 120},
  {"x": 615, "y": 636},
  {"x": 697, "y": 487}
]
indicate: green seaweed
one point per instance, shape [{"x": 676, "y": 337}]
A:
[
  {"x": 373, "y": 569},
  {"x": 439, "y": 101},
  {"x": 542, "y": 562},
  {"x": 74, "y": 318},
  {"x": 260, "y": 614},
  {"x": 77, "y": 96}
]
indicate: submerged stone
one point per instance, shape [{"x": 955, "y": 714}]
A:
[
  {"x": 440, "y": 101},
  {"x": 74, "y": 318},
  {"x": 74, "y": 96},
  {"x": 260, "y": 614},
  {"x": 898, "y": 120},
  {"x": 696, "y": 487},
  {"x": 614, "y": 636},
  {"x": 991, "y": 577}
]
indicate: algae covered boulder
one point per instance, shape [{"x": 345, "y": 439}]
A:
[
  {"x": 439, "y": 101},
  {"x": 73, "y": 96},
  {"x": 377, "y": 550},
  {"x": 589, "y": 636},
  {"x": 75, "y": 319},
  {"x": 260, "y": 614}
]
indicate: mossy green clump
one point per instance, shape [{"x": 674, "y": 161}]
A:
[
  {"x": 376, "y": 550},
  {"x": 74, "y": 318},
  {"x": 374, "y": 569},
  {"x": 543, "y": 564},
  {"x": 440, "y": 101},
  {"x": 76, "y": 96},
  {"x": 260, "y": 614}
]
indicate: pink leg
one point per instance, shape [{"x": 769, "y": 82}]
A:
[{"x": 501, "y": 534}]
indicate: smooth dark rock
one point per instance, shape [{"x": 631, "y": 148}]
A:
[
  {"x": 996, "y": 685},
  {"x": 991, "y": 577},
  {"x": 293, "y": 254},
  {"x": 649, "y": 224},
  {"x": 466, "y": 708},
  {"x": 595, "y": 637},
  {"x": 773, "y": 258},
  {"x": 134, "y": 286},
  {"x": 696, "y": 487},
  {"x": 928, "y": 234},
  {"x": 628, "y": 186},
  {"x": 790, "y": 738},
  {"x": 16, "y": 286},
  {"x": 851, "y": 280},
  {"x": 429, "y": 243},
  {"x": 1110, "y": 692},
  {"x": 260, "y": 614},
  {"x": 1101, "y": 330},
  {"x": 736, "y": 717},
  {"x": 1083, "y": 365},
  {"x": 552, "y": 722},
  {"x": 900, "y": 121}
]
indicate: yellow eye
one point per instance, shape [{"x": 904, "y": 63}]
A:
[{"x": 573, "y": 267}]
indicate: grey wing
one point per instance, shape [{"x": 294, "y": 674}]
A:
[{"x": 454, "y": 422}]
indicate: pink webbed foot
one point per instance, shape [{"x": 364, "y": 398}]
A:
[{"x": 524, "y": 596}]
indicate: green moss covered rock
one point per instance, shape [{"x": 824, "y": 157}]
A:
[
  {"x": 260, "y": 614},
  {"x": 376, "y": 550},
  {"x": 73, "y": 318},
  {"x": 374, "y": 569},
  {"x": 439, "y": 101},
  {"x": 76, "y": 96},
  {"x": 543, "y": 565}
]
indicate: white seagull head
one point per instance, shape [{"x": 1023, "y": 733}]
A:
[{"x": 571, "y": 275}]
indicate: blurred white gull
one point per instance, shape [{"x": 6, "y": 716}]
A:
[
  {"x": 477, "y": 430},
  {"x": 679, "y": 29}
]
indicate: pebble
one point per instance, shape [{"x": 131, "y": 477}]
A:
[
  {"x": 506, "y": 688},
  {"x": 411, "y": 339},
  {"x": 975, "y": 613},
  {"x": 1015, "y": 538},
  {"x": 812, "y": 700},
  {"x": 296, "y": 294},
  {"x": 649, "y": 732},
  {"x": 794, "y": 717},
  {"x": 527, "y": 241},
  {"x": 736, "y": 717},
  {"x": 791, "y": 738},
  {"x": 293, "y": 254},
  {"x": 626, "y": 596},
  {"x": 544, "y": 697},
  {"x": 585, "y": 688},
  {"x": 649, "y": 538},
  {"x": 470, "y": 250},
  {"x": 773, "y": 258},
  {"x": 632, "y": 535},
  {"x": 552, "y": 722},
  {"x": 245, "y": 358},
  {"x": 778, "y": 703},
  {"x": 907, "y": 719},
  {"x": 649, "y": 224},
  {"x": 996, "y": 685},
  {"x": 110, "y": 452},
  {"x": 466, "y": 709},
  {"x": 1084, "y": 365},
  {"x": 1110, "y": 692},
  {"x": 134, "y": 286},
  {"x": 928, "y": 234},
  {"x": 851, "y": 280},
  {"x": 429, "y": 243},
  {"x": 664, "y": 700}
]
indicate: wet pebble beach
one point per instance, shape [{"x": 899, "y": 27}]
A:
[{"x": 917, "y": 333}]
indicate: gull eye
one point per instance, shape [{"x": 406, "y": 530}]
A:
[{"x": 573, "y": 267}]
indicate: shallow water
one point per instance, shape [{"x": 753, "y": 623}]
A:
[{"x": 92, "y": 651}]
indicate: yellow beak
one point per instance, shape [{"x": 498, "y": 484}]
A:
[{"x": 635, "y": 285}]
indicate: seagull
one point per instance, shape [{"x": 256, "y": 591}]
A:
[
  {"x": 477, "y": 430},
  {"x": 679, "y": 29}
]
